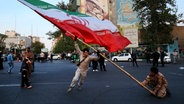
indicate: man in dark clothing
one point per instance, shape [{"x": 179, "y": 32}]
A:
[
  {"x": 162, "y": 55},
  {"x": 148, "y": 56},
  {"x": 1, "y": 60},
  {"x": 156, "y": 56},
  {"x": 102, "y": 63},
  {"x": 134, "y": 58},
  {"x": 24, "y": 73}
]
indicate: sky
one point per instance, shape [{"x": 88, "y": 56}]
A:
[{"x": 16, "y": 16}]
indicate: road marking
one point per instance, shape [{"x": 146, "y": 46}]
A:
[
  {"x": 107, "y": 86},
  {"x": 178, "y": 74},
  {"x": 181, "y": 68},
  {"x": 10, "y": 85},
  {"x": 16, "y": 85}
]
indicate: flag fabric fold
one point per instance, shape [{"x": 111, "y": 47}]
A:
[{"x": 90, "y": 29}]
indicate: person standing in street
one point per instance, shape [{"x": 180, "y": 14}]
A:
[
  {"x": 81, "y": 72},
  {"x": 51, "y": 57},
  {"x": 28, "y": 54},
  {"x": 134, "y": 58},
  {"x": 24, "y": 72},
  {"x": 10, "y": 61},
  {"x": 155, "y": 56},
  {"x": 175, "y": 56},
  {"x": 102, "y": 62},
  {"x": 94, "y": 62},
  {"x": 162, "y": 55},
  {"x": 148, "y": 56},
  {"x": 157, "y": 82},
  {"x": 1, "y": 60}
]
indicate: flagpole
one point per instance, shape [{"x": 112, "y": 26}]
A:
[{"x": 120, "y": 68}]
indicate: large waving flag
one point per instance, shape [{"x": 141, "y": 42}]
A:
[{"x": 90, "y": 29}]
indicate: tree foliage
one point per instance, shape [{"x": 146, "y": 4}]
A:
[
  {"x": 64, "y": 44},
  {"x": 157, "y": 18},
  {"x": 37, "y": 46},
  {"x": 2, "y": 43}
]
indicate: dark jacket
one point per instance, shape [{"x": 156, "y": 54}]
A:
[{"x": 24, "y": 64}]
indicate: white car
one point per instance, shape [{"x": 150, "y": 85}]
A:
[
  {"x": 122, "y": 57},
  {"x": 167, "y": 59},
  {"x": 56, "y": 57}
]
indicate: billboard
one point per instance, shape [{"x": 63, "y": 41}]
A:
[
  {"x": 96, "y": 8},
  {"x": 127, "y": 21}
]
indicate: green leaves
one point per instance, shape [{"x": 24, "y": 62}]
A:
[{"x": 157, "y": 18}]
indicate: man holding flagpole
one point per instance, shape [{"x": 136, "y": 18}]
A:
[{"x": 81, "y": 72}]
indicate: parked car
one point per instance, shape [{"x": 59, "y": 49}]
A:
[
  {"x": 122, "y": 57},
  {"x": 167, "y": 59},
  {"x": 56, "y": 57}
]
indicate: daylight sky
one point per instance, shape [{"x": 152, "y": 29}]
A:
[{"x": 16, "y": 16}]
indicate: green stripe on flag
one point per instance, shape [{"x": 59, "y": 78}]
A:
[
  {"x": 41, "y": 4},
  {"x": 46, "y": 6}
]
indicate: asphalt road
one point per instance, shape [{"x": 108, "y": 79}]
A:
[{"x": 51, "y": 80}]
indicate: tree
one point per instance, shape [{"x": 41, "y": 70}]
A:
[
  {"x": 62, "y": 5},
  {"x": 157, "y": 18},
  {"x": 12, "y": 46},
  {"x": 37, "y": 46},
  {"x": 64, "y": 44},
  {"x": 2, "y": 43}
]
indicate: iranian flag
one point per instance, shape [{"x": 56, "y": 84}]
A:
[{"x": 90, "y": 29}]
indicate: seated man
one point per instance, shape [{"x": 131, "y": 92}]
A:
[{"x": 157, "y": 82}]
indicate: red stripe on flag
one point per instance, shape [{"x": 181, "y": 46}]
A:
[{"x": 105, "y": 38}]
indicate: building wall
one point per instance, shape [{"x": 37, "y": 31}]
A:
[
  {"x": 35, "y": 39},
  {"x": 11, "y": 33},
  {"x": 24, "y": 41},
  {"x": 16, "y": 39},
  {"x": 112, "y": 11},
  {"x": 11, "y": 40},
  {"x": 178, "y": 32}
]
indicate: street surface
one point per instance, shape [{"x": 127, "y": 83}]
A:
[{"x": 51, "y": 80}]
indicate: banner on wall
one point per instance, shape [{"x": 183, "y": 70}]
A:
[
  {"x": 96, "y": 8},
  {"x": 127, "y": 21},
  {"x": 132, "y": 35}
]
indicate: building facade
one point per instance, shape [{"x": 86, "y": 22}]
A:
[
  {"x": 14, "y": 40},
  {"x": 125, "y": 16},
  {"x": 178, "y": 33}
]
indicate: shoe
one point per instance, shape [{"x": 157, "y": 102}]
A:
[
  {"x": 29, "y": 87},
  {"x": 69, "y": 90}
]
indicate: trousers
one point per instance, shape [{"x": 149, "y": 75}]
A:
[{"x": 79, "y": 78}]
